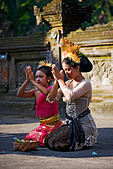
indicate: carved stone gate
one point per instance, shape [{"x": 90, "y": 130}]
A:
[{"x": 64, "y": 18}]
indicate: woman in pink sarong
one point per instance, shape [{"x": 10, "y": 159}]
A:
[{"x": 48, "y": 112}]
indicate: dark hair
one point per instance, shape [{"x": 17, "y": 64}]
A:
[
  {"x": 47, "y": 70},
  {"x": 85, "y": 64},
  {"x": 70, "y": 62}
]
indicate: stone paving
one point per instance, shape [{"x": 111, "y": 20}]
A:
[{"x": 11, "y": 126}]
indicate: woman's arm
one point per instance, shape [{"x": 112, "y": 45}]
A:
[
  {"x": 58, "y": 75},
  {"x": 53, "y": 91},
  {"x": 41, "y": 88},
  {"x": 83, "y": 89},
  {"x": 22, "y": 93},
  {"x": 54, "y": 94}
]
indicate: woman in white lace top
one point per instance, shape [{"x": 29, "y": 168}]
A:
[{"x": 77, "y": 93}]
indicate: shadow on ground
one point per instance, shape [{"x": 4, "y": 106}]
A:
[{"x": 103, "y": 147}]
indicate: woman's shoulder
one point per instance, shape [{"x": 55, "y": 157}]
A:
[
  {"x": 86, "y": 81},
  {"x": 84, "y": 84}
]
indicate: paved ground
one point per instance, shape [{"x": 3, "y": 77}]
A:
[{"x": 11, "y": 126}]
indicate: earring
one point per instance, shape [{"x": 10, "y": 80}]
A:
[{"x": 48, "y": 80}]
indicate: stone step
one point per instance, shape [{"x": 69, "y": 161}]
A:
[
  {"x": 23, "y": 108},
  {"x": 24, "y": 41},
  {"x": 101, "y": 106}
]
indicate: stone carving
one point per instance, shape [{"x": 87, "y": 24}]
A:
[
  {"x": 96, "y": 42},
  {"x": 55, "y": 43},
  {"x": 102, "y": 74},
  {"x": 59, "y": 12},
  {"x": 101, "y": 26},
  {"x": 54, "y": 37},
  {"x": 20, "y": 68},
  {"x": 38, "y": 15}
]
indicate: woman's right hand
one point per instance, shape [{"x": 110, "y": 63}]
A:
[
  {"x": 30, "y": 73},
  {"x": 26, "y": 73}
]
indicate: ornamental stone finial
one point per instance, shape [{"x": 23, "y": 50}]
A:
[{"x": 38, "y": 15}]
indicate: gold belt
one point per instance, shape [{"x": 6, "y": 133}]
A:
[{"x": 50, "y": 120}]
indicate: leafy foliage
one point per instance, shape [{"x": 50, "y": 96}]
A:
[
  {"x": 102, "y": 12},
  {"x": 42, "y": 3},
  {"x": 20, "y": 12}
]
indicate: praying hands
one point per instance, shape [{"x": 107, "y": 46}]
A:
[{"x": 56, "y": 73}]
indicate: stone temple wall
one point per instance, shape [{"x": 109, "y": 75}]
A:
[
  {"x": 102, "y": 74},
  {"x": 97, "y": 43},
  {"x": 21, "y": 52}
]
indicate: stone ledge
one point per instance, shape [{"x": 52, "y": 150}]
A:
[
  {"x": 99, "y": 109},
  {"x": 23, "y": 108},
  {"x": 101, "y": 105}
]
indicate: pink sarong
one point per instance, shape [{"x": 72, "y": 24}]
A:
[{"x": 49, "y": 120}]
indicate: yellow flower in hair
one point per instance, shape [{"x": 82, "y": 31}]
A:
[
  {"x": 49, "y": 64},
  {"x": 70, "y": 50},
  {"x": 44, "y": 63}
]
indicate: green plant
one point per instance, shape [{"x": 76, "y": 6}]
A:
[
  {"x": 102, "y": 12},
  {"x": 20, "y": 12}
]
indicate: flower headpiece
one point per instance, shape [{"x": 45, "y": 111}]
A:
[
  {"x": 70, "y": 50},
  {"x": 44, "y": 63}
]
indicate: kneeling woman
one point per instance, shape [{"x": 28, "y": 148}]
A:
[{"x": 77, "y": 93}]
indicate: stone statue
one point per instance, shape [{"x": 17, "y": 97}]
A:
[{"x": 37, "y": 14}]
